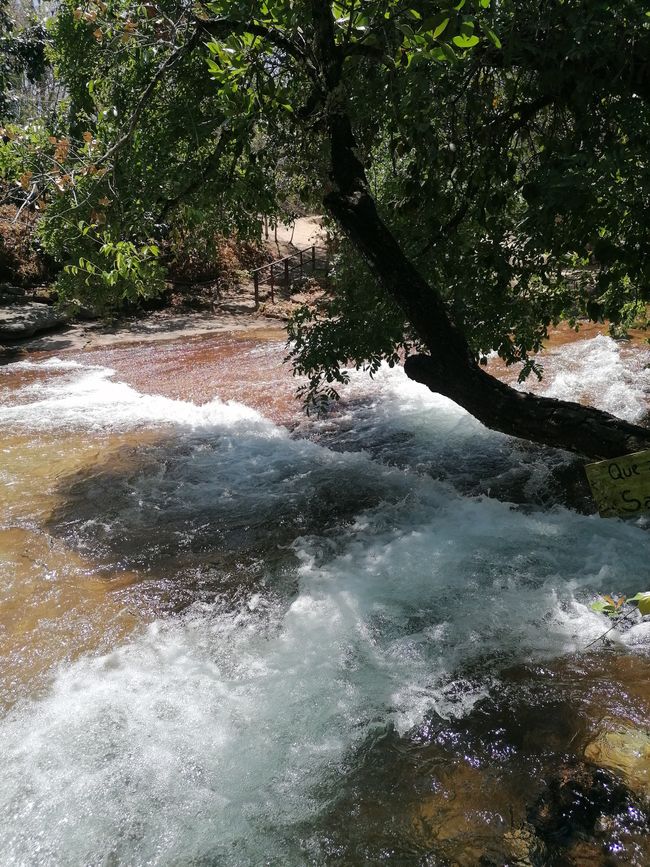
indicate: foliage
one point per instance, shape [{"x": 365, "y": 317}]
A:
[
  {"x": 516, "y": 179},
  {"x": 21, "y": 262},
  {"x": 187, "y": 173},
  {"x": 620, "y": 610},
  {"x": 22, "y": 54},
  {"x": 504, "y": 143},
  {"x": 119, "y": 270},
  {"x": 620, "y": 606},
  {"x": 356, "y": 321}
]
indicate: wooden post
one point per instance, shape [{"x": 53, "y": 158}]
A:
[
  {"x": 256, "y": 284},
  {"x": 301, "y": 263},
  {"x": 286, "y": 272},
  {"x": 272, "y": 298},
  {"x": 313, "y": 258}
]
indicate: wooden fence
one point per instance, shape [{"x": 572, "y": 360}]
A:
[{"x": 283, "y": 272}]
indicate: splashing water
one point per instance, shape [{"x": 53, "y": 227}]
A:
[{"x": 384, "y": 596}]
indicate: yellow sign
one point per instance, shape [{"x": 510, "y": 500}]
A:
[{"x": 621, "y": 486}]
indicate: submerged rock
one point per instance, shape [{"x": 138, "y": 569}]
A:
[
  {"x": 625, "y": 751},
  {"x": 524, "y": 847},
  {"x": 24, "y": 320}
]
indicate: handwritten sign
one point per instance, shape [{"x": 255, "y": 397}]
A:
[{"x": 621, "y": 486}]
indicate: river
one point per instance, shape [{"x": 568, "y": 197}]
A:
[{"x": 231, "y": 634}]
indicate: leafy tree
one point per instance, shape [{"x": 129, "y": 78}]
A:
[
  {"x": 485, "y": 162},
  {"x": 516, "y": 138},
  {"x": 143, "y": 156},
  {"x": 22, "y": 58},
  {"x": 516, "y": 195}
]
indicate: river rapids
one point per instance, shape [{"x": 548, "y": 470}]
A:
[{"x": 234, "y": 635}]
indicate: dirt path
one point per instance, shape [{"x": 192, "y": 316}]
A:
[{"x": 304, "y": 232}]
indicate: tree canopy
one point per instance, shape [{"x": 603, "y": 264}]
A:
[{"x": 485, "y": 164}]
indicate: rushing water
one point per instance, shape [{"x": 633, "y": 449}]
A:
[{"x": 235, "y": 636}]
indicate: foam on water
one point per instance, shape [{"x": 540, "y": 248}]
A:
[
  {"x": 92, "y": 400},
  {"x": 210, "y": 738},
  {"x": 602, "y": 372},
  {"x": 214, "y": 735}
]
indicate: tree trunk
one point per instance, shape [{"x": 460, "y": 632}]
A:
[
  {"x": 582, "y": 429},
  {"x": 451, "y": 368}
]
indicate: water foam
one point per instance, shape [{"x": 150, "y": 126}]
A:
[
  {"x": 602, "y": 372},
  {"x": 90, "y": 399},
  {"x": 213, "y": 736},
  {"x": 210, "y": 738}
]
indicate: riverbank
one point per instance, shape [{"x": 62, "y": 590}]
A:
[
  {"x": 159, "y": 326},
  {"x": 39, "y": 326}
]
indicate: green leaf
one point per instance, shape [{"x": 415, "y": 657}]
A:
[
  {"x": 601, "y": 607},
  {"x": 406, "y": 29},
  {"x": 449, "y": 52},
  {"x": 440, "y": 29},
  {"x": 465, "y": 41},
  {"x": 492, "y": 36},
  {"x": 643, "y": 600}
]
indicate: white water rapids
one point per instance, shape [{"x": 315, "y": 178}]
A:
[{"x": 388, "y": 589}]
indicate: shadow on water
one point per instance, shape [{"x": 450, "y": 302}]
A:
[
  {"x": 506, "y": 784},
  {"x": 200, "y": 515},
  {"x": 474, "y": 461}
]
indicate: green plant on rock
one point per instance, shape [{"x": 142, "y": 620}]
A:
[{"x": 622, "y": 606}]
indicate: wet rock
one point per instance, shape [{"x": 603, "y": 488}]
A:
[
  {"x": 625, "y": 751},
  {"x": 584, "y": 815},
  {"x": 572, "y": 803},
  {"x": 584, "y": 853},
  {"x": 568, "y": 483},
  {"x": 524, "y": 847},
  {"x": 24, "y": 320}
]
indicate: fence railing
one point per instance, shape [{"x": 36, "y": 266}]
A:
[{"x": 282, "y": 272}]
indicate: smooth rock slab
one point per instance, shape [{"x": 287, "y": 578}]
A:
[
  {"x": 626, "y": 752},
  {"x": 24, "y": 320}
]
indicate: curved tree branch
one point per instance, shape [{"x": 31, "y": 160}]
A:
[{"x": 450, "y": 368}]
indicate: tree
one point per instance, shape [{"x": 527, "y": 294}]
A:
[
  {"x": 141, "y": 161},
  {"x": 22, "y": 60},
  {"x": 471, "y": 153},
  {"x": 378, "y": 45}
]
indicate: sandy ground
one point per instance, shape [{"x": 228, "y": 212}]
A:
[{"x": 304, "y": 232}]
